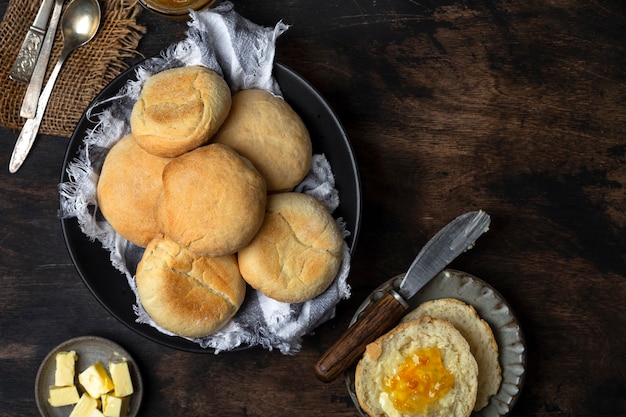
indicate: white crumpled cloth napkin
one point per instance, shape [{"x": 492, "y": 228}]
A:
[{"x": 243, "y": 53}]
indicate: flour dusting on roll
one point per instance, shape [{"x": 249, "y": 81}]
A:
[
  {"x": 266, "y": 130},
  {"x": 297, "y": 252},
  {"x": 180, "y": 109},
  {"x": 187, "y": 294},
  {"x": 128, "y": 187},
  {"x": 213, "y": 201}
]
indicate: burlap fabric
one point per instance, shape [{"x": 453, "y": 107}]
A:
[{"x": 87, "y": 71}]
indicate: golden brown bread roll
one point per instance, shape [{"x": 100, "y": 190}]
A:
[
  {"x": 479, "y": 336},
  {"x": 267, "y": 131},
  {"x": 422, "y": 367},
  {"x": 179, "y": 109},
  {"x": 297, "y": 253},
  {"x": 213, "y": 201},
  {"x": 189, "y": 295},
  {"x": 127, "y": 190}
]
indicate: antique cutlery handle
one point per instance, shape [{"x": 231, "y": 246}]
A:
[
  {"x": 373, "y": 322},
  {"x": 31, "y": 98},
  {"x": 27, "y": 56}
]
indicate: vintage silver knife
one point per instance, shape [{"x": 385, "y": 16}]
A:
[
  {"x": 455, "y": 238},
  {"x": 27, "y": 56},
  {"x": 33, "y": 91}
]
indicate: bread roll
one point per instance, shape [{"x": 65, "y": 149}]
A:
[
  {"x": 423, "y": 367},
  {"x": 297, "y": 253},
  {"x": 267, "y": 131},
  {"x": 179, "y": 109},
  {"x": 479, "y": 336},
  {"x": 213, "y": 201},
  {"x": 189, "y": 295},
  {"x": 128, "y": 187}
]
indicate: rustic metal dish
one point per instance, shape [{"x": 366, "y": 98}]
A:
[{"x": 493, "y": 308}]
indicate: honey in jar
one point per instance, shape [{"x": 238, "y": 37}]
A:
[{"x": 175, "y": 7}]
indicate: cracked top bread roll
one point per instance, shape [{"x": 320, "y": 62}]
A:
[
  {"x": 422, "y": 367},
  {"x": 212, "y": 202},
  {"x": 266, "y": 130},
  {"x": 179, "y": 109},
  {"x": 128, "y": 187},
  {"x": 189, "y": 295},
  {"x": 298, "y": 251},
  {"x": 479, "y": 336}
]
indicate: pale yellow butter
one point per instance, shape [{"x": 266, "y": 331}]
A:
[
  {"x": 60, "y": 396},
  {"x": 387, "y": 405},
  {"x": 65, "y": 368},
  {"x": 95, "y": 380},
  {"x": 121, "y": 378},
  {"x": 113, "y": 406},
  {"x": 85, "y": 406},
  {"x": 96, "y": 413}
]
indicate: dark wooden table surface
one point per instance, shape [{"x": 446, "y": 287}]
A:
[{"x": 515, "y": 107}]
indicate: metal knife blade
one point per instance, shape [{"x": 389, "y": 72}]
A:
[
  {"x": 27, "y": 56},
  {"x": 458, "y": 236},
  {"x": 443, "y": 248}
]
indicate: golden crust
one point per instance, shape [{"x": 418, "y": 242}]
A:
[
  {"x": 213, "y": 201},
  {"x": 479, "y": 336},
  {"x": 179, "y": 109},
  {"x": 186, "y": 294},
  {"x": 297, "y": 252},
  {"x": 267, "y": 131},
  {"x": 128, "y": 187}
]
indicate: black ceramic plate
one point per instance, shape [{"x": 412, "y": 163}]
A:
[{"x": 110, "y": 287}]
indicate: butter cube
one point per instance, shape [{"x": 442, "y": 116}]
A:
[
  {"x": 60, "y": 396},
  {"x": 96, "y": 413},
  {"x": 85, "y": 406},
  {"x": 113, "y": 406},
  {"x": 121, "y": 378},
  {"x": 65, "y": 368},
  {"x": 95, "y": 380}
]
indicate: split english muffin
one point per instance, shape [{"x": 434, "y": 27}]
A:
[
  {"x": 179, "y": 109},
  {"x": 128, "y": 187},
  {"x": 212, "y": 202},
  {"x": 187, "y": 294},
  {"x": 479, "y": 336},
  {"x": 266, "y": 130},
  {"x": 297, "y": 252},
  {"x": 422, "y": 367}
]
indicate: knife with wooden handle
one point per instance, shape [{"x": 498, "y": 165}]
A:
[{"x": 455, "y": 238}]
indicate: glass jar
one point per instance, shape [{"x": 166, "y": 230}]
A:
[{"x": 175, "y": 7}]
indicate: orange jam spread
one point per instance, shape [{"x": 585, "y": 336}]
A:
[{"x": 421, "y": 380}]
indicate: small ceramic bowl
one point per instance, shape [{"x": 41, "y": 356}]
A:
[{"x": 90, "y": 349}]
